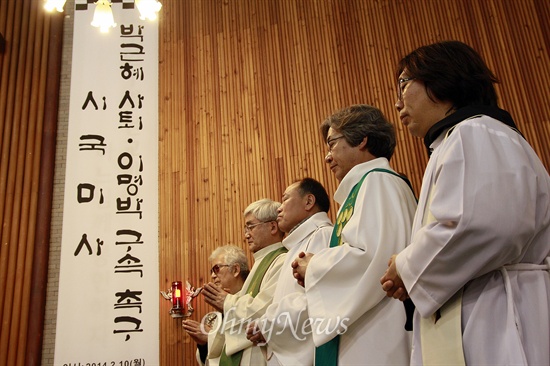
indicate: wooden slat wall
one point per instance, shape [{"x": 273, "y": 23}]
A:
[{"x": 245, "y": 84}]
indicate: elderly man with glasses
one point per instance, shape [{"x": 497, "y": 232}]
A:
[
  {"x": 263, "y": 237},
  {"x": 229, "y": 271}
]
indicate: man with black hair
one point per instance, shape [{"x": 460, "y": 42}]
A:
[
  {"x": 477, "y": 266},
  {"x": 303, "y": 216}
]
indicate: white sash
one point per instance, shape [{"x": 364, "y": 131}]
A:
[{"x": 512, "y": 318}]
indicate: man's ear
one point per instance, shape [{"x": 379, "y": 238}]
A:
[
  {"x": 363, "y": 144},
  {"x": 274, "y": 227},
  {"x": 237, "y": 270},
  {"x": 310, "y": 201}
]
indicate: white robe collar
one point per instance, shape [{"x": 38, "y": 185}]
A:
[
  {"x": 355, "y": 175},
  {"x": 265, "y": 251},
  {"x": 306, "y": 228}
]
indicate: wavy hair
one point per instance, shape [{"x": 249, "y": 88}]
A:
[{"x": 359, "y": 121}]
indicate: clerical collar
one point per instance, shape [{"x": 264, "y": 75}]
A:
[
  {"x": 465, "y": 113},
  {"x": 298, "y": 224}
]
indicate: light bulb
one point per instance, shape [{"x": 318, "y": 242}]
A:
[
  {"x": 103, "y": 16},
  {"x": 50, "y": 5},
  {"x": 148, "y": 9}
]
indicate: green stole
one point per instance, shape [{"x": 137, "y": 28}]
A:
[
  {"x": 252, "y": 290},
  {"x": 327, "y": 354}
]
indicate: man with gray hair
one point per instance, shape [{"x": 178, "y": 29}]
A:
[
  {"x": 234, "y": 259},
  {"x": 229, "y": 271},
  {"x": 263, "y": 237},
  {"x": 356, "y": 324}
]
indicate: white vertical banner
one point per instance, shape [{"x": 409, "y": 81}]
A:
[{"x": 108, "y": 302}]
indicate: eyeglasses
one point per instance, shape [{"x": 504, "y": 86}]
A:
[
  {"x": 249, "y": 227},
  {"x": 331, "y": 143},
  {"x": 216, "y": 268},
  {"x": 401, "y": 88}
]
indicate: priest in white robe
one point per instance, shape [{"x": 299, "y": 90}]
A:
[
  {"x": 477, "y": 267},
  {"x": 229, "y": 270},
  {"x": 353, "y": 321},
  {"x": 264, "y": 240},
  {"x": 303, "y": 215}
]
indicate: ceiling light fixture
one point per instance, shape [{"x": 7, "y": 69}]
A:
[
  {"x": 148, "y": 9},
  {"x": 103, "y": 16},
  {"x": 50, "y": 5}
]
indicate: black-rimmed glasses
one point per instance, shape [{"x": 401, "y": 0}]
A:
[
  {"x": 401, "y": 87},
  {"x": 331, "y": 143}
]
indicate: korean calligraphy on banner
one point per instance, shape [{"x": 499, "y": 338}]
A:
[{"x": 108, "y": 286}]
